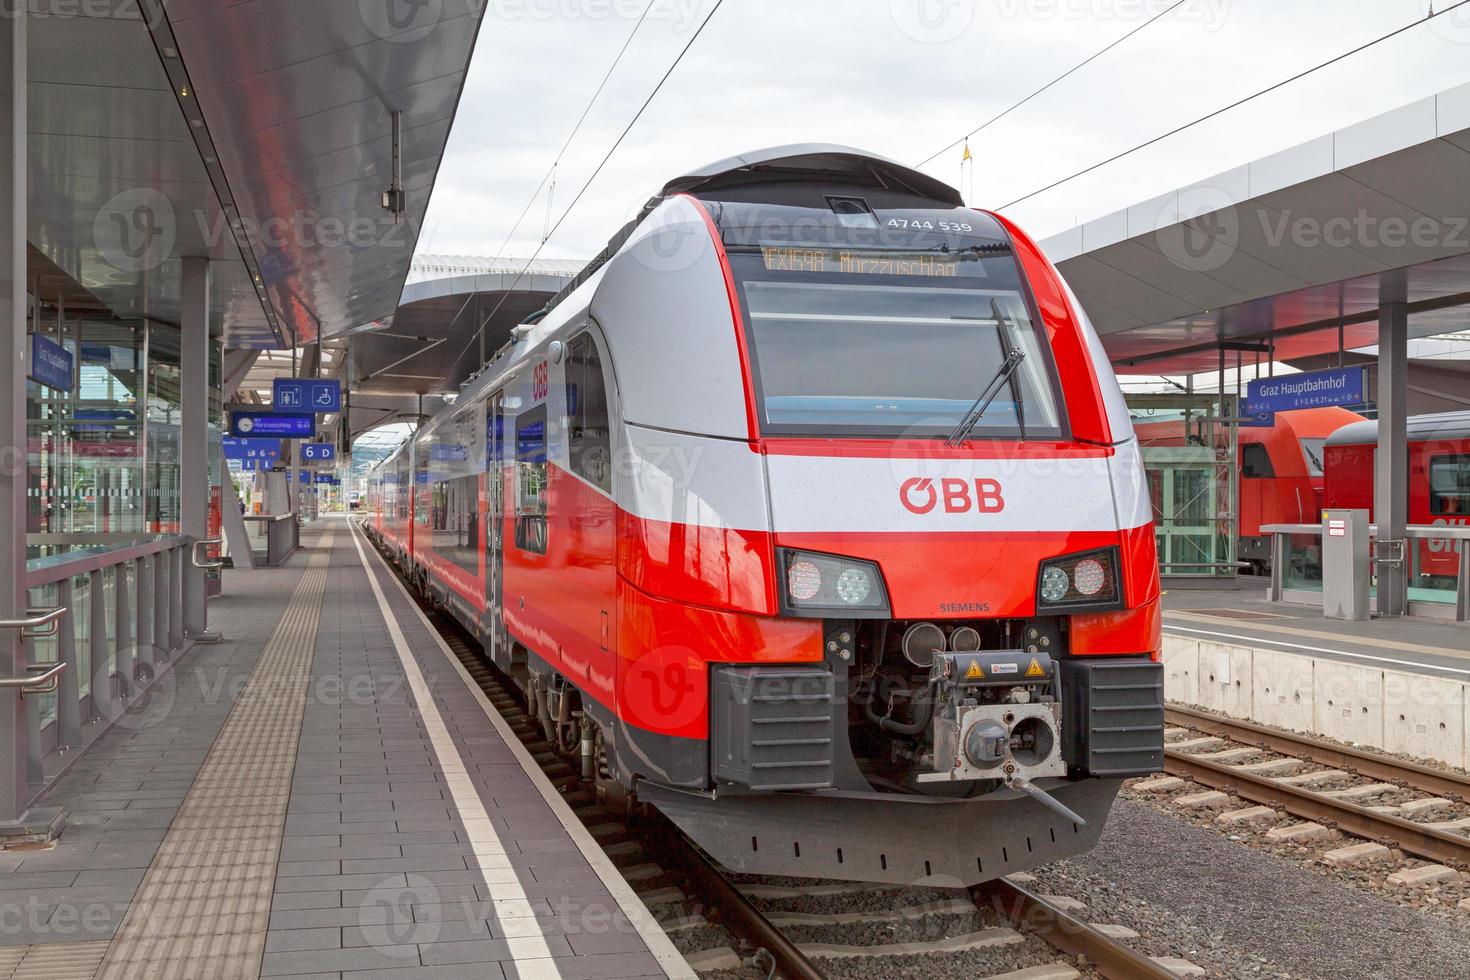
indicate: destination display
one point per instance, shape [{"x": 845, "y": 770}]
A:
[
  {"x": 794, "y": 258},
  {"x": 272, "y": 425}
]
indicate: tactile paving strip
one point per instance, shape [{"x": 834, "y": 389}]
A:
[
  {"x": 63, "y": 961},
  {"x": 204, "y": 904}
]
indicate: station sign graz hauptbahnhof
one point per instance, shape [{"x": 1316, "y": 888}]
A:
[{"x": 1343, "y": 387}]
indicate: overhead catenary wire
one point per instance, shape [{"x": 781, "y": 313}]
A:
[
  {"x": 505, "y": 294},
  {"x": 566, "y": 144},
  {"x": 1237, "y": 103},
  {"x": 1070, "y": 71}
]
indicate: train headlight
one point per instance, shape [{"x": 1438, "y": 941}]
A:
[
  {"x": 827, "y": 585},
  {"x": 854, "y": 586},
  {"x": 1054, "y": 584},
  {"x": 803, "y": 581},
  {"x": 1084, "y": 582}
]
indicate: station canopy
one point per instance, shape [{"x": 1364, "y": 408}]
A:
[
  {"x": 257, "y": 134},
  {"x": 1282, "y": 253}
]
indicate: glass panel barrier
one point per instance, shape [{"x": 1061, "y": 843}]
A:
[{"x": 1303, "y": 569}]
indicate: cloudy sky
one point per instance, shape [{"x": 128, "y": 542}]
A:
[{"x": 904, "y": 78}]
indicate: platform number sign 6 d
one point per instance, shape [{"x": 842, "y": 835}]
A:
[{"x": 318, "y": 452}]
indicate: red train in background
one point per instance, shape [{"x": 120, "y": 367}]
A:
[
  {"x": 1281, "y": 469},
  {"x": 811, "y": 514},
  {"x": 1439, "y": 482}
]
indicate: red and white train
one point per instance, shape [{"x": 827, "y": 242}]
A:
[
  {"x": 1439, "y": 483},
  {"x": 810, "y": 514}
]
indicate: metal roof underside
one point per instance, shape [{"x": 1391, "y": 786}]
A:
[
  {"x": 298, "y": 99},
  {"x": 1250, "y": 254},
  {"x": 291, "y": 107},
  {"x": 435, "y": 342}
]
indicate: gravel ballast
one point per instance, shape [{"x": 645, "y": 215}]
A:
[{"x": 1250, "y": 913}]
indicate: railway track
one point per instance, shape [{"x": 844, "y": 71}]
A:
[
  {"x": 1401, "y": 804},
  {"x": 759, "y": 929}
]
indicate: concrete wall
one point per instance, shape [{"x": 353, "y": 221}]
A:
[{"x": 1397, "y": 711}]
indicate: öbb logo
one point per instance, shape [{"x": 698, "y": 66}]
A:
[{"x": 919, "y": 495}]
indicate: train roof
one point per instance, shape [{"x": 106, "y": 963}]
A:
[
  {"x": 1444, "y": 427},
  {"x": 810, "y": 161}
]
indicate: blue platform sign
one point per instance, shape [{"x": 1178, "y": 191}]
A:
[
  {"x": 1264, "y": 397},
  {"x": 251, "y": 449},
  {"x": 328, "y": 480},
  {"x": 306, "y": 395},
  {"x": 272, "y": 425},
  {"x": 318, "y": 452},
  {"x": 51, "y": 364}
]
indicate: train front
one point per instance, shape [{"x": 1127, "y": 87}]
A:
[{"x": 960, "y": 535}]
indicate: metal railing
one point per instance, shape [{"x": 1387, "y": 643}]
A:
[
  {"x": 1281, "y": 535},
  {"x": 113, "y": 620}
]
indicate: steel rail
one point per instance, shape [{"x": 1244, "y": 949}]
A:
[
  {"x": 1066, "y": 932},
  {"x": 1415, "y": 838},
  {"x": 739, "y": 914},
  {"x": 1437, "y": 782}
]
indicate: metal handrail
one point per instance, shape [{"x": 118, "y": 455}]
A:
[
  {"x": 267, "y": 518},
  {"x": 1417, "y": 532},
  {"x": 1456, "y": 532},
  {"x": 194, "y": 554},
  {"x": 46, "y": 679},
  {"x": 30, "y": 627}
]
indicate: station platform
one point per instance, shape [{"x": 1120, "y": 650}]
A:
[
  {"x": 1244, "y": 615},
  {"x": 325, "y": 793},
  {"x": 1397, "y": 685}
]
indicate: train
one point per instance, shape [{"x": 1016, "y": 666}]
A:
[
  {"x": 1280, "y": 467},
  {"x": 1439, "y": 484},
  {"x": 809, "y": 514}
]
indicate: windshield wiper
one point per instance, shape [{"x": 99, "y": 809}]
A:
[{"x": 1004, "y": 375}]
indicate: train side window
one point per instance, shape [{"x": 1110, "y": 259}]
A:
[
  {"x": 531, "y": 480},
  {"x": 1449, "y": 485},
  {"x": 589, "y": 435},
  {"x": 1255, "y": 462}
]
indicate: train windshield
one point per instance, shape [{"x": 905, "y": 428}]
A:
[{"x": 895, "y": 343}]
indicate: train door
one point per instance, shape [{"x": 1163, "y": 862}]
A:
[
  {"x": 496, "y": 644},
  {"x": 590, "y": 526}
]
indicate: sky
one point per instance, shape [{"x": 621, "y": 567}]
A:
[{"x": 904, "y": 78}]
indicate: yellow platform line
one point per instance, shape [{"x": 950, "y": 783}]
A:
[{"x": 203, "y": 907}]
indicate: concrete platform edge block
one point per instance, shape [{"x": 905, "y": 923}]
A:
[
  {"x": 1283, "y": 690},
  {"x": 1225, "y": 678},
  {"x": 1181, "y": 669},
  {"x": 1349, "y": 702},
  {"x": 1424, "y": 717}
]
